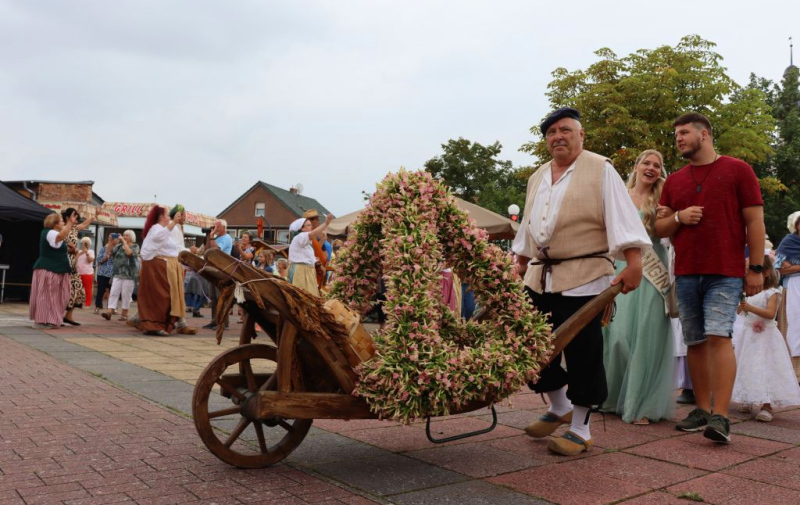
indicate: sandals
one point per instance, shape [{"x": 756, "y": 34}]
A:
[
  {"x": 122, "y": 318},
  {"x": 641, "y": 422}
]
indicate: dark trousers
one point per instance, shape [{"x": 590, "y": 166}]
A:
[
  {"x": 103, "y": 283},
  {"x": 585, "y": 375}
]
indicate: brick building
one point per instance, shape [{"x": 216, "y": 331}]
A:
[{"x": 275, "y": 206}]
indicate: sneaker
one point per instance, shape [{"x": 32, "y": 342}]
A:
[
  {"x": 695, "y": 421},
  {"x": 210, "y": 326},
  {"x": 718, "y": 429},
  {"x": 686, "y": 397},
  {"x": 746, "y": 408},
  {"x": 764, "y": 416},
  {"x": 197, "y": 314}
]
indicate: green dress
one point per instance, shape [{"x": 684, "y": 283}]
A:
[{"x": 638, "y": 353}]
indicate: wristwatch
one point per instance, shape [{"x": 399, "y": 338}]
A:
[
  {"x": 756, "y": 268},
  {"x": 677, "y": 220}
]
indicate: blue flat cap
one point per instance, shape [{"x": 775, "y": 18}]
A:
[{"x": 559, "y": 114}]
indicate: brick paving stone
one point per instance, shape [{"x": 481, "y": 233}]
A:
[
  {"x": 698, "y": 452},
  {"x": 467, "y": 493},
  {"x": 657, "y": 498},
  {"x": 475, "y": 459},
  {"x": 731, "y": 490},
  {"x": 614, "y": 476},
  {"x": 76, "y": 439},
  {"x": 769, "y": 431},
  {"x": 387, "y": 475},
  {"x": 773, "y": 470}
]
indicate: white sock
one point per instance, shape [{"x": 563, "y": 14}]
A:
[
  {"x": 579, "y": 425},
  {"x": 559, "y": 403}
]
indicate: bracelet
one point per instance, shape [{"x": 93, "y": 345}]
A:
[{"x": 677, "y": 219}]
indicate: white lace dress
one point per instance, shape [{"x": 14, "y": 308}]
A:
[{"x": 764, "y": 372}]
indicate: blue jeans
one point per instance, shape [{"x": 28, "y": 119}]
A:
[{"x": 707, "y": 305}]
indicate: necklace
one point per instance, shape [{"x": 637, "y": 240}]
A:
[{"x": 699, "y": 185}]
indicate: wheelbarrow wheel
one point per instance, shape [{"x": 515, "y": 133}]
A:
[{"x": 237, "y": 374}]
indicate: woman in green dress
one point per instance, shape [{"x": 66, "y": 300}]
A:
[{"x": 638, "y": 351}]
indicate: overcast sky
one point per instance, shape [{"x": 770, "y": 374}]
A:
[{"x": 194, "y": 100}]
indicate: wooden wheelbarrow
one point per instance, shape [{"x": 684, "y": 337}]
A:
[{"x": 270, "y": 393}]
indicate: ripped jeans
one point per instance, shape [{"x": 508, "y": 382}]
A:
[{"x": 707, "y": 305}]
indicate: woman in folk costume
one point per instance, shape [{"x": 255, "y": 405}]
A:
[
  {"x": 638, "y": 352},
  {"x": 301, "y": 253},
  {"x": 161, "y": 295},
  {"x": 50, "y": 288},
  {"x": 77, "y": 295},
  {"x": 787, "y": 262}
]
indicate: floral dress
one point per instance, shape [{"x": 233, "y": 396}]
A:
[{"x": 77, "y": 295}]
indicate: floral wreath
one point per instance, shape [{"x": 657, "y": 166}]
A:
[{"x": 429, "y": 361}]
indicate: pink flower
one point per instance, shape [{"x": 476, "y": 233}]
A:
[{"x": 759, "y": 326}]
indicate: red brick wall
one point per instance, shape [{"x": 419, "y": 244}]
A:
[
  {"x": 243, "y": 214},
  {"x": 63, "y": 192}
]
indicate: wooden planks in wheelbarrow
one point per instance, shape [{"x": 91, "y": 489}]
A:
[
  {"x": 267, "y": 318},
  {"x": 304, "y": 311}
]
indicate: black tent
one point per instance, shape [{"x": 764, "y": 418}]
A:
[
  {"x": 15, "y": 207},
  {"x": 21, "y": 221}
]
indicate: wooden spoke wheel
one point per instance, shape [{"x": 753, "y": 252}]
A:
[{"x": 240, "y": 373}]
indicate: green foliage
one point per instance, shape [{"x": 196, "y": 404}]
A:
[
  {"x": 628, "y": 104},
  {"x": 475, "y": 173},
  {"x": 783, "y": 198},
  {"x": 691, "y": 497}
]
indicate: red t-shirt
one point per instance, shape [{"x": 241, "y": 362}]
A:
[{"x": 714, "y": 246}]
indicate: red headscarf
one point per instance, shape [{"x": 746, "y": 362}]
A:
[{"x": 152, "y": 218}]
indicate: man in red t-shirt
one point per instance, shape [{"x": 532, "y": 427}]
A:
[{"x": 711, "y": 208}]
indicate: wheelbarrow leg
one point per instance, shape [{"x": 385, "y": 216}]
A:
[{"x": 463, "y": 435}]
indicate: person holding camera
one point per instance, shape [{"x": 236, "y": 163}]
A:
[
  {"x": 217, "y": 238},
  {"x": 76, "y": 291},
  {"x": 105, "y": 270},
  {"x": 124, "y": 258}
]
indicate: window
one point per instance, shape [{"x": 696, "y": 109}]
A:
[{"x": 261, "y": 209}]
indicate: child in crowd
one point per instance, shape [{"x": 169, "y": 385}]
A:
[{"x": 764, "y": 374}]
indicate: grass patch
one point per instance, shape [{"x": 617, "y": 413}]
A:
[{"x": 691, "y": 497}]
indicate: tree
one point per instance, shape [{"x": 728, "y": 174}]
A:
[
  {"x": 784, "y": 166},
  {"x": 628, "y": 104},
  {"x": 475, "y": 174}
]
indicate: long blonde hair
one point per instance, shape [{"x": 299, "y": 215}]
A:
[{"x": 649, "y": 211}]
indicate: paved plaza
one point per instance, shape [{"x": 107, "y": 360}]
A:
[{"x": 102, "y": 414}]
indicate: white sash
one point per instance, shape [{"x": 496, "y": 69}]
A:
[{"x": 657, "y": 274}]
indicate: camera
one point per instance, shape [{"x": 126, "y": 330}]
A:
[{"x": 206, "y": 231}]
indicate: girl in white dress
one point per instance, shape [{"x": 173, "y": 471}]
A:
[{"x": 764, "y": 374}]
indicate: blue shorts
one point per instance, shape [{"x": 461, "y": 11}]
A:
[{"x": 707, "y": 305}]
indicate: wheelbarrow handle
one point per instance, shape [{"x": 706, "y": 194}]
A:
[{"x": 572, "y": 326}]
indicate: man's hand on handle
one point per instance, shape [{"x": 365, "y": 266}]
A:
[
  {"x": 631, "y": 275},
  {"x": 522, "y": 265}
]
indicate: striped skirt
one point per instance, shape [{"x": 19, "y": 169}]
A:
[{"x": 50, "y": 294}]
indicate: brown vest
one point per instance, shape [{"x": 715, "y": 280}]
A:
[{"x": 580, "y": 228}]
